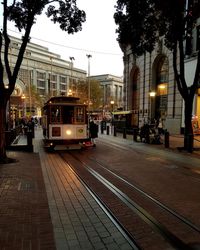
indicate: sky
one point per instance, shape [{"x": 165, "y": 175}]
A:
[{"x": 97, "y": 38}]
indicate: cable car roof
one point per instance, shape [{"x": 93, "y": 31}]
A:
[{"x": 63, "y": 99}]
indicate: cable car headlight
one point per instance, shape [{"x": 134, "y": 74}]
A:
[{"x": 68, "y": 132}]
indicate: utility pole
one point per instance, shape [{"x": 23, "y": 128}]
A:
[
  {"x": 88, "y": 56},
  {"x": 70, "y": 92}
]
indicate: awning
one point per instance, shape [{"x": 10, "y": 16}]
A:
[{"x": 122, "y": 112}]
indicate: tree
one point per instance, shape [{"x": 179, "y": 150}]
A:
[
  {"x": 23, "y": 13},
  {"x": 142, "y": 22},
  {"x": 96, "y": 93},
  {"x": 33, "y": 99}
]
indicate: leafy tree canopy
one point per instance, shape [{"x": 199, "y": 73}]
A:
[
  {"x": 65, "y": 13},
  {"x": 23, "y": 13},
  {"x": 142, "y": 22}
]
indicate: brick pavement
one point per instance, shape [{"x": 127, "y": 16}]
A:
[
  {"x": 44, "y": 206},
  {"x": 25, "y": 221}
]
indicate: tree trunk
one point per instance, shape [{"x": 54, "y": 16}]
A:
[
  {"x": 188, "y": 133},
  {"x": 3, "y": 156}
]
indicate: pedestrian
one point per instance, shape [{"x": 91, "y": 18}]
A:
[
  {"x": 160, "y": 126},
  {"x": 93, "y": 132}
]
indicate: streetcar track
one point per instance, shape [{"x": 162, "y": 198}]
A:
[
  {"x": 144, "y": 215},
  {"x": 151, "y": 150},
  {"x": 193, "y": 172},
  {"x": 180, "y": 217},
  {"x": 120, "y": 227}
]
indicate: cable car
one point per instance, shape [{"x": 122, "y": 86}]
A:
[{"x": 65, "y": 123}]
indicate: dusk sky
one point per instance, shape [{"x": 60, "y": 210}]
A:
[{"x": 98, "y": 38}]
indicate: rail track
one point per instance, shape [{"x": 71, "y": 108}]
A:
[{"x": 147, "y": 222}]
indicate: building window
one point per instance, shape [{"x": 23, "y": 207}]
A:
[
  {"x": 63, "y": 79},
  {"x": 62, "y": 87},
  {"x": 41, "y": 91},
  {"x": 41, "y": 75},
  {"x": 40, "y": 84}
]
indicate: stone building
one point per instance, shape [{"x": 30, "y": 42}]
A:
[
  {"x": 150, "y": 90},
  {"x": 112, "y": 91},
  {"x": 45, "y": 70}
]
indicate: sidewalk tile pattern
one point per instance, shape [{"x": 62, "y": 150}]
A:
[
  {"x": 25, "y": 221},
  {"x": 78, "y": 220}
]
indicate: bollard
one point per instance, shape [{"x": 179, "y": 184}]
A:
[
  {"x": 103, "y": 126},
  {"x": 166, "y": 139},
  {"x": 29, "y": 141},
  {"x": 102, "y": 129},
  {"x": 124, "y": 133},
  {"x": 115, "y": 131},
  {"x": 190, "y": 143},
  {"x": 33, "y": 130},
  {"x": 108, "y": 130},
  {"x": 135, "y": 134}
]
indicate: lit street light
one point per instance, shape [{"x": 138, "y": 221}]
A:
[
  {"x": 152, "y": 95},
  {"x": 112, "y": 107},
  {"x": 23, "y": 97},
  {"x": 89, "y": 56},
  {"x": 71, "y": 82}
]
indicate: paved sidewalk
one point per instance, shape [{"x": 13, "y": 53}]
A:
[
  {"x": 25, "y": 221},
  {"x": 176, "y": 142},
  {"x": 43, "y": 205}
]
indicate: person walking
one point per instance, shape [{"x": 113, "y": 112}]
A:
[
  {"x": 160, "y": 126},
  {"x": 93, "y": 132}
]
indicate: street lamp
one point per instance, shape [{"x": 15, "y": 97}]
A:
[
  {"x": 152, "y": 95},
  {"x": 51, "y": 78},
  {"x": 69, "y": 92},
  {"x": 112, "y": 106},
  {"x": 24, "y": 104},
  {"x": 28, "y": 54},
  {"x": 70, "y": 82},
  {"x": 88, "y": 56}
]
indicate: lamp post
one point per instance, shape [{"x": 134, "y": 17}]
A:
[
  {"x": 112, "y": 108},
  {"x": 50, "y": 90},
  {"x": 112, "y": 105},
  {"x": 70, "y": 82},
  {"x": 29, "y": 82},
  {"x": 24, "y": 104},
  {"x": 152, "y": 95},
  {"x": 88, "y": 56}
]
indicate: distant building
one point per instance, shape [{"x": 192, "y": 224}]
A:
[
  {"x": 50, "y": 74},
  {"x": 112, "y": 91}
]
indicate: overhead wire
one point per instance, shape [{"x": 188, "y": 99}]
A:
[{"x": 70, "y": 47}]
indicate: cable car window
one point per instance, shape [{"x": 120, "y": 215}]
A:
[
  {"x": 55, "y": 114},
  {"x": 79, "y": 115},
  {"x": 68, "y": 115}
]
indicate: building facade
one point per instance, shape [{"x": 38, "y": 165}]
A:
[
  {"x": 112, "y": 91},
  {"x": 46, "y": 71},
  {"x": 150, "y": 89}
]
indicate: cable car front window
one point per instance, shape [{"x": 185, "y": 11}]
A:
[
  {"x": 79, "y": 115},
  {"x": 68, "y": 115},
  {"x": 55, "y": 114}
]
